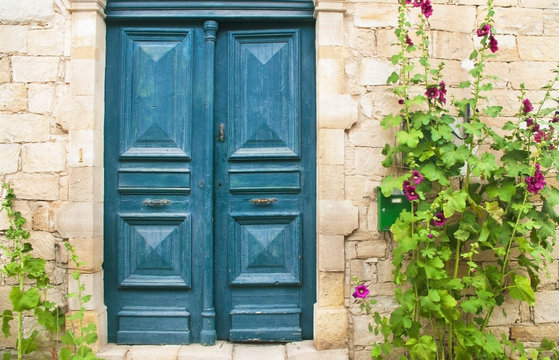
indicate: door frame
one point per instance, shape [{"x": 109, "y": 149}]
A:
[{"x": 87, "y": 91}]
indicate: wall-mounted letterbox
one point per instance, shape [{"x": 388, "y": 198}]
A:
[{"x": 389, "y": 207}]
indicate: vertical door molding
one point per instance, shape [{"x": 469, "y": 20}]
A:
[
  {"x": 80, "y": 218},
  {"x": 208, "y": 334}
]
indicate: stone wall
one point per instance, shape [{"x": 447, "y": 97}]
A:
[{"x": 354, "y": 48}]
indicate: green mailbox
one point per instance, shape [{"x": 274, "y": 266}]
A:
[{"x": 389, "y": 207}]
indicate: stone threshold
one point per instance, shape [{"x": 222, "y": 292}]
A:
[{"x": 303, "y": 350}]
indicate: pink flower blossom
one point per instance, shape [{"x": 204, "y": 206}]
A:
[
  {"x": 529, "y": 122},
  {"x": 408, "y": 40},
  {"x": 484, "y": 30},
  {"x": 537, "y": 182},
  {"x": 538, "y": 136},
  {"x": 432, "y": 92},
  {"x": 555, "y": 119},
  {"x": 493, "y": 45},
  {"x": 401, "y": 101},
  {"x": 361, "y": 291},
  {"x": 416, "y": 177},
  {"x": 427, "y": 9},
  {"x": 439, "y": 219},
  {"x": 430, "y": 236},
  {"x": 442, "y": 92},
  {"x": 527, "y": 106},
  {"x": 418, "y": 3},
  {"x": 410, "y": 193}
]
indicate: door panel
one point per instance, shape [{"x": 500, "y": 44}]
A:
[{"x": 265, "y": 183}]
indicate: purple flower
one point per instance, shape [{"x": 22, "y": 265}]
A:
[
  {"x": 401, "y": 101},
  {"x": 410, "y": 193},
  {"x": 416, "y": 177},
  {"x": 493, "y": 45},
  {"x": 418, "y": 3},
  {"x": 529, "y": 122},
  {"x": 536, "y": 128},
  {"x": 439, "y": 219},
  {"x": 442, "y": 92},
  {"x": 538, "y": 135},
  {"x": 555, "y": 119},
  {"x": 527, "y": 106},
  {"x": 427, "y": 9},
  {"x": 484, "y": 30},
  {"x": 432, "y": 92},
  {"x": 361, "y": 291},
  {"x": 430, "y": 236},
  {"x": 408, "y": 40},
  {"x": 537, "y": 182}
]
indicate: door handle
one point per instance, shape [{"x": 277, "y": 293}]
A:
[
  {"x": 156, "y": 203},
  {"x": 221, "y": 133},
  {"x": 263, "y": 201}
]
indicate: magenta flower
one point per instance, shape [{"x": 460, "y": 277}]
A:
[
  {"x": 410, "y": 193},
  {"x": 538, "y": 136},
  {"x": 401, "y": 101},
  {"x": 493, "y": 45},
  {"x": 416, "y": 177},
  {"x": 361, "y": 291},
  {"x": 432, "y": 92},
  {"x": 439, "y": 219},
  {"x": 527, "y": 106},
  {"x": 442, "y": 92},
  {"x": 430, "y": 236},
  {"x": 418, "y": 3},
  {"x": 427, "y": 9},
  {"x": 537, "y": 182},
  {"x": 408, "y": 40},
  {"x": 529, "y": 122},
  {"x": 555, "y": 119},
  {"x": 536, "y": 128},
  {"x": 484, "y": 30}
]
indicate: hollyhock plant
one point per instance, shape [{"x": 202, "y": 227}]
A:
[
  {"x": 527, "y": 106},
  {"x": 409, "y": 41},
  {"x": 442, "y": 92},
  {"x": 537, "y": 182},
  {"x": 432, "y": 92},
  {"x": 410, "y": 193},
  {"x": 439, "y": 219},
  {"x": 416, "y": 176},
  {"x": 484, "y": 30},
  {"x": 361, "y": 291},
  {"x": 493, "y": 44}
]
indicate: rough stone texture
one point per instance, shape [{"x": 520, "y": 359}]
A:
[
  {"x": 5, "y": 71},
  {"x": 463, "y": 18},
  {"x": 538, "y": 48},
  {"x": 220, "y": 351},
  {"x": 41, "y": 98},
  {"x": 149, "y": 352},
  {"x": 535, "y": 333},
  {"x": 14, "y": 38},
  {"x": 13, "y": 97},
  {"x": 255, "y": 352},
  {"x": 90, "y": 252},
  {"x": 545, "y": 309},
  {"x": 22, "y": 11},
  {"x": 330, "y": 327},
  {"x": 447, "y": 45},
  {"x": 93, "y": 286},
  {"x": 35, "y": 186},
  {"x": 113, "y": 352},
  {"x": 331, "y": 149},
  {"x": 43, "y": 157},
  {"x": 519, "y": 21},
  {"x": 336, "y": 111},
  {"x": 337, "y": 217},
  {"x": 23, "y": 128},
  {"x": 330, "y": 288},
  {"x": 331, "y": 252},
  {"x": 35, "y": 68},
  {"x": 305, "y": 350},
  {"x": 375, "y": 71},
  {"x": 9, "y": 161},
  {"x": 377, "y": 15}
]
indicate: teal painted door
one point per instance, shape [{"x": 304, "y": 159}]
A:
[{"x": 193, "y": 200}]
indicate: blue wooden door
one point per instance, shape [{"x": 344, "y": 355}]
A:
[{"x": 176, "y": 183}]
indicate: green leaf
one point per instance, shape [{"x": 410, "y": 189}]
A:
[
  {"x": 7, "y": 316},
  {"x": 418, "y": 100},
  {"x": 66, "y": 353},
  {"x": 493, "y": 111},
  {"x": 424, "y": 349},
  {"x": 28, "y": 345},
  {"x": 434, "y": 173},
  {"x": 455, "y": 201},
  {"x": 495, "y": 211},
  {"x": 487, "y": 87},
  {"x": 473, "y": 55},
  {"x": 389, "y": 183},
  {"x": 393, "y": 78},
  {"x": 391, "y": 121},
  {"x": 7, "y": 356},
  {"x": 25, "y": 300},
  {"x": 395, "y": 59},
  {"x": 505, "y": 192},
  {"x": 465, "y": 84},
  {"x": 449, "y": 306},
  {"x": 486, "y": 166},
  {"x": 410, "y": 139},
  {"x": 522, "y": 290}
]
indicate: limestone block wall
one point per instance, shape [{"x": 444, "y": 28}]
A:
[
  {"x": 353, "y": 49},
  {"x": 51, "y": 147}
]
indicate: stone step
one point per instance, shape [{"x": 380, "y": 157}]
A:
[{"x": 303, "y": 350}]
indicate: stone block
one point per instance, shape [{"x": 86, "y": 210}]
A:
[
  {"x": 258, "y": 352},
  {"x": 384, "y": 271},
  {"x": 330, "y": 29},
  {"x": 368, "y": 162},
  {"x": 361, "y": 334},
  {"x": 375, "y": 15},
  {"x": 550, "y": 21},
  {"x": 463, "y": 18},
  {"x": 449, "y": 45},
  {"x": 533, "y": 74},
  {"x": 535, "y": 333},
  {"x": 43, "y": 244},
  {"x": 329, "y": 74},
  {"x": 330, "y": 289},
  {"x": 113, "y": 352},
  {"x": 538, "y": 48},
  {"x": 43, "y": 157},
  {"x": 42, "y": 219},
  {"x": 387, "y": 43},
  {"x": 545, "y": 4},
  {"x": 384, "y": 103},
  {"x": 5, "y": 72},
  {"x": 330, "y": 327},
  {"x": 502, "y": 71},
  {"x": 545, "y": 309},
  {"x": 81, "y": 184},
  {"x": 81, "y": 148},
  {"x": 84, "y": 29},
  {"x": 34, "y": 186},
  {"x": 79, "y": 220},
  {"x": 518, "y": 21},
  {"x": 23, "y": 11},
  {"x": 5, "y": 303},
  {"x": 82, "y": 76},
  {"x": 331, "y": 182},
  {"x": 507, "y": 314},
  {"x": 93, "y": 284},
  {"x": 336, "y": 111},
  {"x": 305, "y": 350},
  {"x": 331, "y": 146},
  {"x": 150, "y": 352},
  {"x": 375, "y": 71},
  {"x": 220, "y": 351},
  {"x": 14, "y": 38},
  {"x": 46, "y": 42},
  {"x": 41, "y": 98},
  {"x": 508, "y": 99},
  {"x": 361, "y": 40},
  {"x": 13, "y": 97},
  {"x": 90, "y": 252},
  {"x": 97, "y": 317},
  {"x": 371, "y": 248},
  {"x": 370, "y": 133},
  {"x": 35, "y": 68},
  {"x": 337, "y": 217},
  {"x": 9, "y": 161},
  {"x": 331, "y": 253}
]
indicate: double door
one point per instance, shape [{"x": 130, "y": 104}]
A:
[{"x": 209, "y": 182}]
